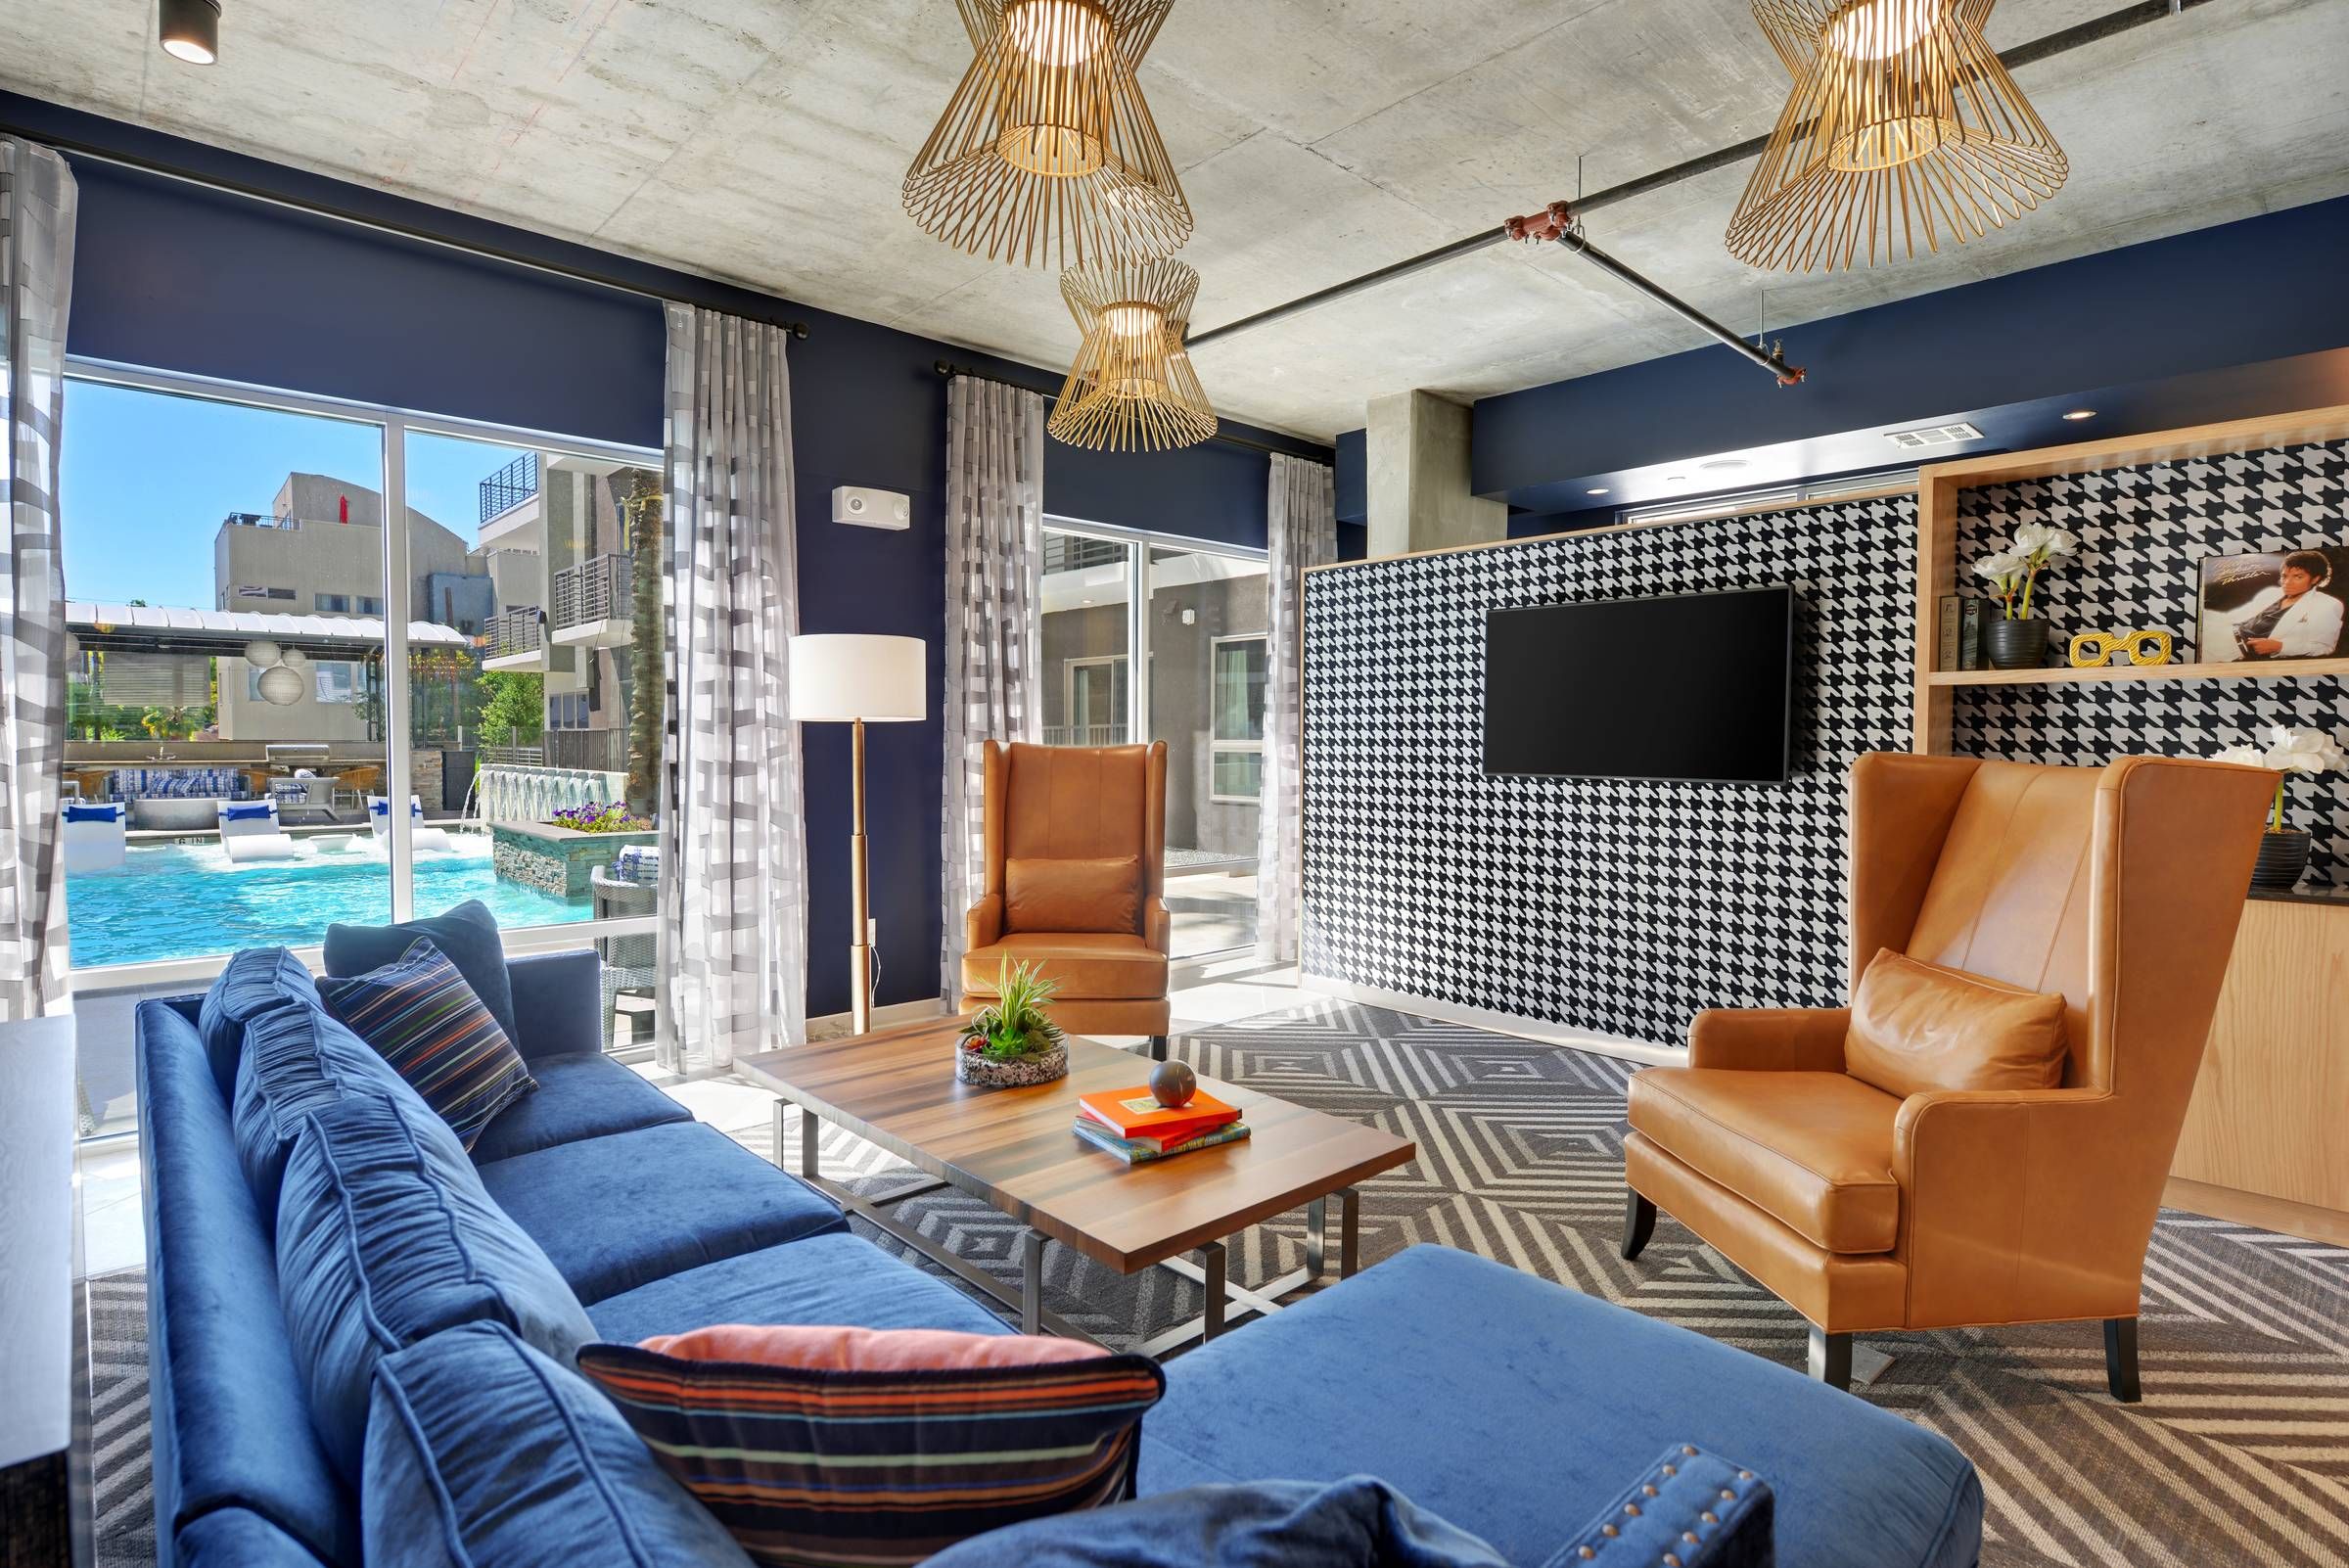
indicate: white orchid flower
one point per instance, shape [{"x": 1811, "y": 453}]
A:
[
  {"x": 2304, "y": 750},
  {"x": 2241, "y": 756},
  {"x": 2031, "y": 537},
  {"x": 1999, "y": 565}
]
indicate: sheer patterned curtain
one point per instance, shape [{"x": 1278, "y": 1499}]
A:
[
  {"x": 995, "y": 608},
  {"x": 733, "y": 853},
  {"x": 37, "y": 196},
  {"x": 1301, "y": 529}
]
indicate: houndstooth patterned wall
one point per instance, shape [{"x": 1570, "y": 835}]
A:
[
  {"x": 2144, "y": 533},
  {"x": 1599, "y": 904}
]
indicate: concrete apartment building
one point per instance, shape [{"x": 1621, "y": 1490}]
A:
[
  {"x": 563, "y": 549},
  {"x": 320, "y": 551}
]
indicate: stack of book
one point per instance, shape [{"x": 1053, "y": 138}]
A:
[{"x": 1132, "y": 1125}]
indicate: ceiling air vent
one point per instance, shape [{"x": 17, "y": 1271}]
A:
[{"x": 1927, "y": 435}]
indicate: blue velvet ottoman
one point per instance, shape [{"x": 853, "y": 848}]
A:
[{"x": 1515, "y": 1407}]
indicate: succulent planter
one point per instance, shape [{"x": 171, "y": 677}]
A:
[
  {"x": 980, "y": 1071},
  {"x": 2282, "y": 856},
  {"x": 2015, "y": 644}
]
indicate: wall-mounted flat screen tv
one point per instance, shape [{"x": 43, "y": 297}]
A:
[{"x": 1694, "y": 687}]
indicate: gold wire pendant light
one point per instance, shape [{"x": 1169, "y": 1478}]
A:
[
  {"x": 1903, "y": 125},
  {"x": 1046, "y": 154},
  {"x": 1132, "y": 386}
]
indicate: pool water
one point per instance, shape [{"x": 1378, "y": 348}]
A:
[{"x": 188, "y": 899}]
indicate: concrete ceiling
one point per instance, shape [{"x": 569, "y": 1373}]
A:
[{"x": 762, "y": 142}]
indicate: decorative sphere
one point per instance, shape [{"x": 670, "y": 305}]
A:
[
  {"x": 1173, "y": 1083},
  {"x": 294, "y": 659},
  {"x": 262, "y": 653},
  {"x": 280, "y": 686}
]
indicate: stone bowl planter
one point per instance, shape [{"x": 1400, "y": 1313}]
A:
[
  {"x": 2283, "y": 858},
  {"x": 1025, "y": 1072},
  {"x": 2015, "y": 644}
]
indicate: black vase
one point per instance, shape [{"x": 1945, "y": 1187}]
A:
[
  {"x": 2282, "y": 856},
  {"x": 2015, "y": 644}
]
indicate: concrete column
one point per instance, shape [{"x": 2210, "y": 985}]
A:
[{"x": 1416, "y": 455}]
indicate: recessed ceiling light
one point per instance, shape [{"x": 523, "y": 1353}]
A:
[
  {"x": 1596, "y": 490},
  {"x": 2081, "y": 414},
  {"x": 190, "y": 31}
]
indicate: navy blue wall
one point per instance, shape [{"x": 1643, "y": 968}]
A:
[
  {"x": 172, "y": 276},
  {"x": 188, "y": 278}
]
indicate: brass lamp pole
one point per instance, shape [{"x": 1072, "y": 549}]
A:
[{"x": 855, "y": 679}]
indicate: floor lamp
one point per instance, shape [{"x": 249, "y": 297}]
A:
[{"x": 856, "y": 680}]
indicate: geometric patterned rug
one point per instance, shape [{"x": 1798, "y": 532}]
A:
[{"x": 2238, "y": 1454}]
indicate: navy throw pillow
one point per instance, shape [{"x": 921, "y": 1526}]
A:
[
  {"x": 255, "y": 980},
  {"x": 386, "y": 1238},
  {"x": 426, "y": 1020},
  {"x": 466, "y": 934},
  {"x": 481, "y": 1450},
  {"x": 1297, "y": 1524}
]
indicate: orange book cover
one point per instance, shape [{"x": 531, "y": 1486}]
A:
[{"x": 1136, "y": 1112}]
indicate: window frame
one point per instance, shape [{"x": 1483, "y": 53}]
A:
[
  {"x": 395, "y": 426},
  {"x": 1217, "y": 744}
]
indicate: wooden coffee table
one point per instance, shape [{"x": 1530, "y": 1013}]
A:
[{"x": 1014, "y": 1150}]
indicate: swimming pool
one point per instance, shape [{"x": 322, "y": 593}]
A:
[{"x": 186, "y": 900}]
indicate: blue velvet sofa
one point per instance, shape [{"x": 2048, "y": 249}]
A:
[{"x": 1511, "y": 1407}]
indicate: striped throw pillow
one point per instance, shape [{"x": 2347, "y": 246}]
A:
[
  {"x": 858, "y": 1447},
  {"x": 427, "y": 1023}
]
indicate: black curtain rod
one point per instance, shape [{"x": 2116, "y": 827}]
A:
[
  {"x": 2093, "y": 30},
  {"x": 405, "y": 231},
  {"x": 949, "y": 370}
]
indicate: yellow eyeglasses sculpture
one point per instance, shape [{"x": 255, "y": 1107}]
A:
[{"x": 2093, "y": 648}]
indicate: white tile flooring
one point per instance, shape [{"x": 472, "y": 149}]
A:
[{"x": 113, "y": 1233}]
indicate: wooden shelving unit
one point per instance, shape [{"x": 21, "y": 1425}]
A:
[
  {"x": 2263, "y": 1143},
  {"x": 2280, "y": 670}
]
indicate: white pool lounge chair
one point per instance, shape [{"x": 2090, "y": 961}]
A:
[
  {"x": 379, "y": 818},
  {"x": 93, "y": 833},
  {"x": 249, "y": 831}
]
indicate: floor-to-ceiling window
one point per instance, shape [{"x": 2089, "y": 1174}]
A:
[
  {"x": 1194, "y": 626},
  {"x": 293, "y": 619}
]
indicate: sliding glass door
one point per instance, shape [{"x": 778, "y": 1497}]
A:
[
  {"x": 342, "y": 664},
  {"x": 1195, "y": 629}
]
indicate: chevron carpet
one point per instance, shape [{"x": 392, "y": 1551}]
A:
[{"x": 2238, "y": 1455}]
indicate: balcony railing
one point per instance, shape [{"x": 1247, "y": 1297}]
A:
[
  {"x": 512, "y": 631},
  {"x": 603, "y": 750},
  {"x": 598, "y": 588},
  {"x": 1074, "y": 552},
  {"x": 1084, "y": 734},
  {"x": 509, "y": 485}
]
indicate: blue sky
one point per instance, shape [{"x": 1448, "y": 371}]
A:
[{"x": 147, "y": 479}]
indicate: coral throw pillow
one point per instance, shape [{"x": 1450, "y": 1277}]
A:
[
  {"x": 821, "y": 1448},
  {"x": 1917, "y": 1027},
  {"x": 423, "y": 1018}
]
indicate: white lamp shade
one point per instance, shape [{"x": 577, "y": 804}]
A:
[{"x": 838, "y": 678}]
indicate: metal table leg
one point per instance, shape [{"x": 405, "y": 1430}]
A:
[
  {"x": 1350, "y": 1231},
  {"x": 1212, "y": 1319},
  {"x": 1317, "y": 1238},
  {"x": 1032, "y": 1282},
  {"x": 807, "y": 1150}
]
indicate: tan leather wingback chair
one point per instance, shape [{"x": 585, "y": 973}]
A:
[
  {"x": 2119, "y": 887},
  {"x": 1076, "y": 881}
]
